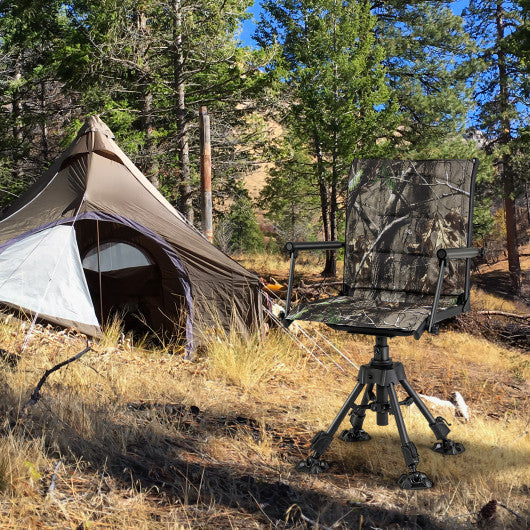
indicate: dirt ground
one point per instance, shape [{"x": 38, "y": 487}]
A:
[{"x": 494, "y": 278}]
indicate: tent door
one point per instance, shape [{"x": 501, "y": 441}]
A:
[
  {"x": 131, "y": 277},
  {"x": 124, "y": 283}
]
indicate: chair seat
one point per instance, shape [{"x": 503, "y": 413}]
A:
[{"x": 400, "y": 316}]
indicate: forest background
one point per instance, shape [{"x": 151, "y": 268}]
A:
[{"x": 324, "y": 82}]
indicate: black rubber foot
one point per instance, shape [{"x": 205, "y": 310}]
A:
[
  {"x": 415, "y": 481},
  {"x": 312, "y": 465},
  {"x": 448, "y": 447},
  {"x": 351, "y": 435}
]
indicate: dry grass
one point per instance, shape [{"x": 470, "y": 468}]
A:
[
  {"x": 266, "y": 265},
  {"x": 148, "y": 440},
  {"x": 250, "y": 362},
  {"x": 489, "y": 302}
]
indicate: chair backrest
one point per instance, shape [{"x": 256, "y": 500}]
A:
[{"x": 399, "y": 213}]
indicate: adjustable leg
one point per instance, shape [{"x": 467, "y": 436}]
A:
[
  {"x": 320, "y": 443},
  {"x": 439, "y": 426},
  {"x": 357, "y": 433},
  {"x": 415, "y": 480},
  {"x": 381, "y": 414}
]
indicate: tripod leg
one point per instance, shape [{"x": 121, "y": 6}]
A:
[
  {"x": 415, "y": 480},
  {"x": 320, "y": 443},
  {"x": 438, "y": 425},
  {"x": 357, "y": 433},
  {"x": 382, "y": 399}
]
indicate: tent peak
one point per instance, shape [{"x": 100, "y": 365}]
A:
[{"x": 95, "y": 124}]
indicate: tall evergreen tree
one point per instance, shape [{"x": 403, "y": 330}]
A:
[
  {"x": 32, "y": 102},
  {"x": 425, "y": 51},
  {"x": 503, "y": 106},
  {"x": 332, "y": 64},
  {"x": 289, "y": 197},
  {"x": 145, "y": 65}
]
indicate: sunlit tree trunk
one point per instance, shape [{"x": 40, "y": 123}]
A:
[
  {"x": 504, "y": 167},
  {"x": 184, "y": 176}
]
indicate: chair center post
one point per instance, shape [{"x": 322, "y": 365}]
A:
[{"x": 381, "y": 352}]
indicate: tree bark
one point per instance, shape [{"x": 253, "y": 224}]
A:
[
  {"x": 44, "y": 127},
  {"x": 505, "y": 167},
  {"x": 16, "y": 113},
  {"x": 514, "y": 264},
  {"x": 184, "y": 177},
  {"x": 527, "y": 203},
  {"x": 330, "y": 267},
  {"x": 150, "y": 165},
  {"x": 331, "y": 256}
]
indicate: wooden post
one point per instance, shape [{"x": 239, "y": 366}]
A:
[{"x": 206, "y": 174}]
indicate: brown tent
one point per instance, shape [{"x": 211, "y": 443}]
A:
[{"x": 93, "y": 236}]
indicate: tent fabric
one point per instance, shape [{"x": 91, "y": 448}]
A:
[
  {"x": 95, "y": 179},
  {"x": 42, "y": 273}
]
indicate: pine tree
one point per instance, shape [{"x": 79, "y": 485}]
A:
[
  {"x": 148, "y": 66},
  {"x": 331, "y": 63},
  {"x": 503, "y": 106},
  {"x": 32, "y": 102},
  {"x": 289, "y": 198},
  {"x": 425, "y": 59}
]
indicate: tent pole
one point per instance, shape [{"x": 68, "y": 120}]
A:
[{"x": 99, "y": 277}]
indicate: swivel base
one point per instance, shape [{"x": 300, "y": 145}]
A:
[
  {"x": 312, "y": 465},
  {"x": 379, "y": 380},
  {"x": 415, "y": 481}
]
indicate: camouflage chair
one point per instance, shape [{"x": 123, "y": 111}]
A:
[{"x": 407, "y": 262}]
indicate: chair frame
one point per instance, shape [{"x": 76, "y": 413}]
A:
[{"x": 384, "y": 374}]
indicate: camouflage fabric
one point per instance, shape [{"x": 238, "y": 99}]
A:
[
  {"x": 379, "y": 311},
  {"x": 399, "y": 213}
]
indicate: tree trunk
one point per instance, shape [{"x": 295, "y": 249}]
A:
[
  {"x": 44, "y": 126},
  {"x": 331, "y": 257},
  {"x": 16, "y": 113},
  {"x": 185, "y": 202},
  {"x": 527, "y": 203},
  {"x": 505, "y": 167},
  {"x": 150, "y": 165},
  {"x": 330, "y": 267},
  {"x": 514, "y": 264}
]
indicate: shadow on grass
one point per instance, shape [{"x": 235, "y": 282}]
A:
[
  {"x": 161, "y": 463},
  {"x": 168, "y": 461}
]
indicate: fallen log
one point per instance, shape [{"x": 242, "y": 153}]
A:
[{"x": 505, "y": 314}]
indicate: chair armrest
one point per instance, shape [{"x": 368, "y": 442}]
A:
[
  {"x": 293, "y": 247},
  {"x": 459, "y": 253},
  {"x": 444, "y": 254}
]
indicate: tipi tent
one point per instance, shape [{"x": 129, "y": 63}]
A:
[{"x": 93, "y": 236}]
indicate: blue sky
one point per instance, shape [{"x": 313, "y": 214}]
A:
[{"x": 248, "y": 26}]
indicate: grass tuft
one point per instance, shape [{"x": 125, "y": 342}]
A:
[
  {"x": 112, "y": 333},
  {"x": 249, "y": 362}
]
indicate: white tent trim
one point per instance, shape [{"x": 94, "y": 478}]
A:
[{"x": 43, "y": 273}]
